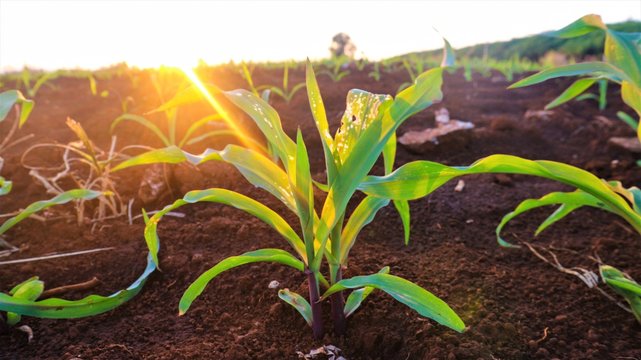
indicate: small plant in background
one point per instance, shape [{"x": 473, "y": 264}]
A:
[
  {"x": 336, "y": 68},
  {"x": 376, "y": 72},
  {"x": 285, "y": 92},
  {"x": 32, "y": 83},
  {"x": 367, "y": 132},
  {"x": 622, "y": 65}
]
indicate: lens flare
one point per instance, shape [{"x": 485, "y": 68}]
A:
[{"x": 240, "y": 133}]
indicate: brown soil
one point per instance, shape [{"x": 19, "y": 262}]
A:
[{"x": 508, "y": 298}]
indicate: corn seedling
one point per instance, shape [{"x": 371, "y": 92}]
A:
[
  {"x": 420, "y": 178},
  {"x": 415, "y": 65},
  {"x": 93, "y": 86},
  {"x": 336, "y": 68},
  {"x": 367, "y": 131},
  {"x": 361, "y": 63},
  {"x": 622, "y": 65},
  {"x": 376, "y": 72},
  {"x": 87, "y": 167},
  {"x": 285, "y": 92},
  {"x": 32, "y": 84}
]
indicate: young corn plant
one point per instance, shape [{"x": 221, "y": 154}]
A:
[
  {"x": 376, "y": 72},
  {"x": 367, "y": 131},
  {"x": 622, "y": 65},
  {"x": 336, "y": 69},
  {"x": 417, "y": 179},
  {"x": 32, "y": 84},
  {"x": 285, "y": 92}
]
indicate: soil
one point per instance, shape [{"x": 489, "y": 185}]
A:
[{"x": 516, "y": 306}]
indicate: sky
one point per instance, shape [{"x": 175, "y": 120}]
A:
[{"x": 96, "y": 33}]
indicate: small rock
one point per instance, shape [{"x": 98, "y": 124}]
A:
[
  {"x": 154, "y": 184},
  {"x": 630, "y": 144},
  {"x": 442, "y": 116},
  {"x": 427, "y": 139},
  {"x": 274, "y": 284},
  {"x": 561, "y": 317},
  {"x": 538, "y": 114},
  {"x": 503, "y": 179},
  {"x": 460, "y": 185}
]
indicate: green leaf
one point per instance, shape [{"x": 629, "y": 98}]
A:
[
  {"x": 624, "y": 54},
  {"x": 594, "y": 69},
  {"x": 5, "y": 186},
  {"x": 577, "y": 88},
  {"x": 356, "y": 297},
  {"x": 420, "y": 178},
  {"x": 634, "y": 124},
  {"x": 624, "y": 286},
  {"x": 10, "y": 98},
  {"x": 29, "y": 290},
  {"x": 362, "y": 215},
  {"x": 584, "y": 25},
  {"x": 298, "y": 302},
  {"x": 65, "y": 197},
  {"x": 262, "y": 255},
  {"x": 230, "y": 198},
  {"x": 168, "y": 155},
  {"x": 144, "y": 122},
  {"x": 449, "y": 57},
  {"x": 407, "y": 293},
  {"x": 55, "y": 308},
  {"x": 568, "y": 201},
  {"x": 303, "y": 192},
  {"x": 403, "y": 208},
  {"x": 364, "y": 153}
]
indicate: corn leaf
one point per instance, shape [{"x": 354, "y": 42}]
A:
[
  {"x": 29, "y": 290},
  {"x": 144, "y": 122},
  {"x": 407, "y": 293},
  {"x": 624, "y": 286},
  {"x": 420, "y": 178},
  {"x": 5, "y": 186},
  {"x": 230, "y": 198},
  {"x": 92, "y": 305},
  {"x": 262, "y": 255},
  {"x": 577, "y": 88},
  {"x": 362, "y": 215},
  {"x": 568, "y": 201},
  {"x": 10, "y": 98},
  {"x": 65, "y": 197},
  {"x": 584, "y": 25},
  {"x": 356, "y": 297},
  {"x": 623, "y": 54},
  {"x": 298, "y": 302},
  {"x": 425, "y": 91},
  {"x": 587, "y": 68}
]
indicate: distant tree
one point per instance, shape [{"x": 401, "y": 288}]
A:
[{"x": 342, "y": 45}]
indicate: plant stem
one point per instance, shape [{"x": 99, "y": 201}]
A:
[
  {"x": 338, "y": 304},
  {"x": 314, "y": 297}
]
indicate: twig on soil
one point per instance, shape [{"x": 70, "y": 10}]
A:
[
  {"x": 63, "y": 289},
  {"x": 588, "y": 277},
  {"x": 545, "y": 335},
  {"x": 54, "y": 256}
]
